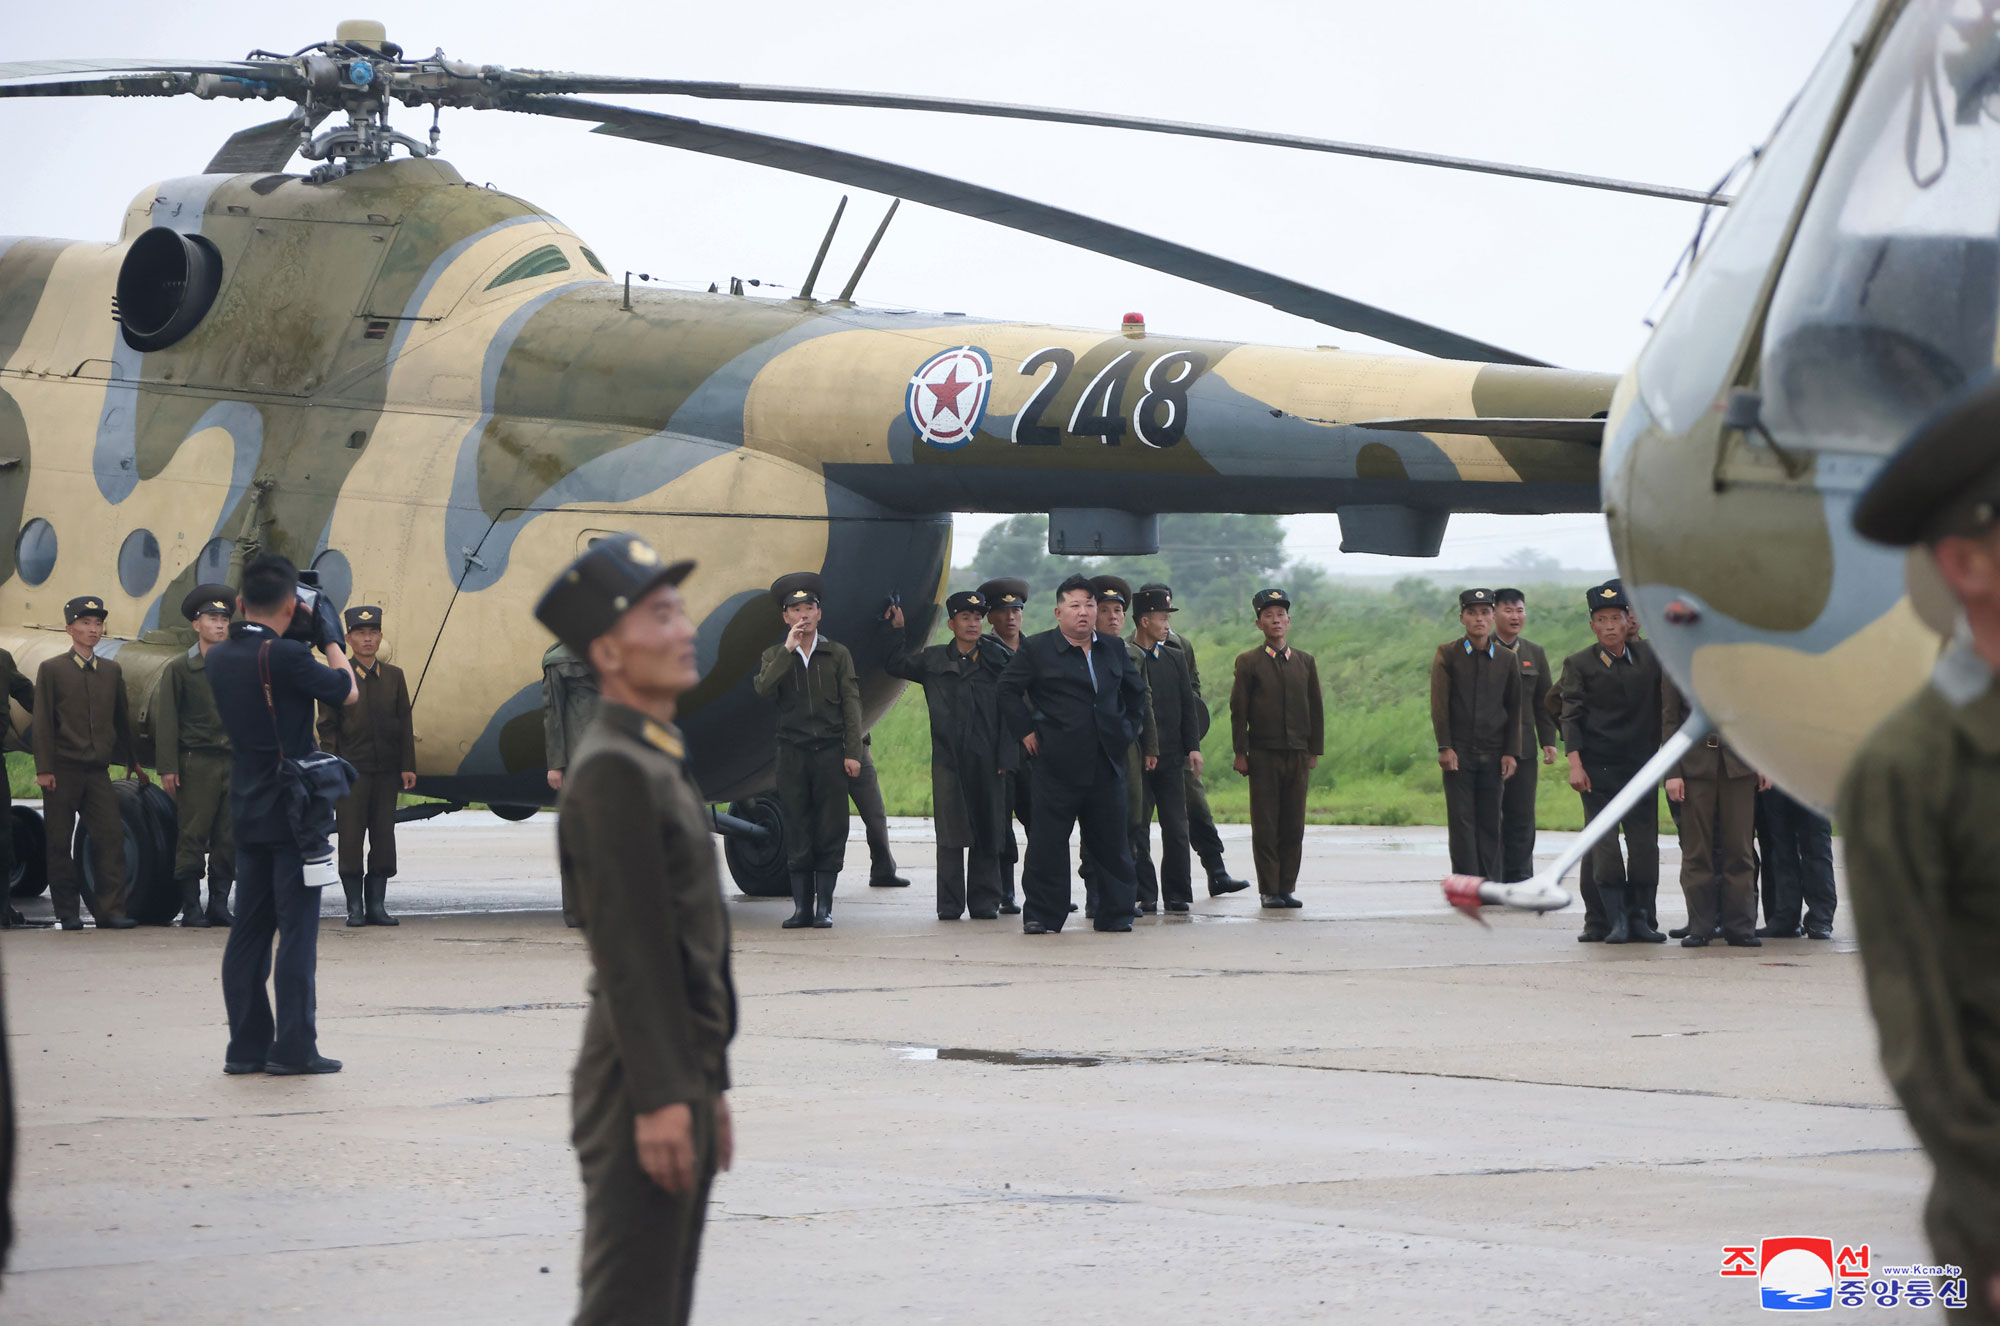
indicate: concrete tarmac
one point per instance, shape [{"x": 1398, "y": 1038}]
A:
[{"x": 1367, "y": 1110}]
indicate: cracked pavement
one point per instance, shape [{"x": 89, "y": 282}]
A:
[{"x": 1368, "y": 1109}]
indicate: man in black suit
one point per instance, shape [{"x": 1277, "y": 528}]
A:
[
  {"x": 272, "y": 893},
  {"x": 1075, "y": 701}
]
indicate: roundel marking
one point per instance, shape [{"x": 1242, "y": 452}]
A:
[{"x": 948, "y": 395}]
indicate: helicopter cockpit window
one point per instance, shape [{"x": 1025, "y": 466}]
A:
[
  {"x": 1683, "y": 367},
  {"x": 591, "y": 258},
  {"x": 1890, "y": 297},
  {"x": 542, "y": 262}
]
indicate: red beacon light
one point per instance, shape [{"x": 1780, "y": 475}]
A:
[{"x": 1135, "y": 324}]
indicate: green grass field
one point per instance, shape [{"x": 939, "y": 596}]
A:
[{"x": 1374, "y": 650}]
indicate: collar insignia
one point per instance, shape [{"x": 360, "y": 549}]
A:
[{"x": 661, "y": 739}]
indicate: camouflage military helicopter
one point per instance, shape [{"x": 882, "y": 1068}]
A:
[
  {"x": 1854, "y": 284},
  {"x": 434, "y": 394}
]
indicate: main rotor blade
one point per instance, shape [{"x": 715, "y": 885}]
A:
[
  {"x": 1017, "y": 213},
  {"x": 266, "y": 147},
  {"x": 130, "y": 78},
  {"x": 539, "y": 81}
]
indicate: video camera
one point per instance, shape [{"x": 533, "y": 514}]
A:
[{"x": 315, "y": 622}]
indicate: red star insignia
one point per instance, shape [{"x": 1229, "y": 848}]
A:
[{"x": 948, "y": 391}]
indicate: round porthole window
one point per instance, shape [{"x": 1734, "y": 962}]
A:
[
  {"x": 211, "y": 564},
  {"x": 139, "y": 563},
  {"x": 336, "y": 577},
  {"x": 35, "y": 551}
]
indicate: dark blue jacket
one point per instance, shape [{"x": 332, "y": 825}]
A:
[
  {"x": 297, "y": 680},
  {"x": 1046, "y": 689}
]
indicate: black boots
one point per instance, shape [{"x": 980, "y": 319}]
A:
[
  {"x": 192, "y": 917},
  {"x": 377, "y": 887},
  {"x": 1644, "y": 925},
  {"x": 823, "y": 881},
  {"x": 218, "y": 903},
  {"x": 1616, "y": 918},
  {"x": 1220, "y": 883},
  {"x": 802, "y": 902},
  {"x": 357, "y": 914},
  {"x": 1008, "y": 907}
]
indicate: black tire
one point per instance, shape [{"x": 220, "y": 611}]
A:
[
  {"x": 759, "y": 867},
  {"x": 31, "y": 854},
  {"x": 514, "y": 814},
  {"x": 150, "y": 898}
]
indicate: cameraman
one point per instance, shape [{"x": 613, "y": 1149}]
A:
[{"x": 271, "y": 889}]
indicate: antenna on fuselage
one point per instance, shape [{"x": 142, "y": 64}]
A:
[
  {"x": 847, "y": 291},
  {"x": 806, "y": 290}
]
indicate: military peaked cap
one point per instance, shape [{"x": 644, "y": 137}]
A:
[
  {"x": 1943, "y": 480},
  {"x": 966, "y": 600},
  {"x": 1475, "y": 598},
  {"x": 209, "y": 598},
  {"x": 365, "y": 618},
  {"x": 1610, "y": 594},
  {"x": 796, "y": 587},
  {"x": 1113, "y": 588},
  {"x": 84, "y": 605},
  {"x": 1004, "y": 593},
  {"x": 1153, "y": 598},
  {"x": 601, "y": 586},
  {"x": 1265, "y": 598}
]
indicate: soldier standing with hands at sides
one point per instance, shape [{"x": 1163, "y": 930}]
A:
[
  {"x": 1170, "y": 692},
  {"x": 1611, "y": 712},
  {"x": 569, "y": 702},
  {"x": 1279, "y": 732},
  {"x": 83, "y": 725},
  {"x": 265, "y": 684},
  {"x": 192, "y": 752},
  {"x": 1074, "y": 702},
  {"x": 1113, "y": 597},
  {"x": 650, "y": 1112},
  {"x": 376, "y": 736},
  {"x": 1538, "y": 729},
  {"x": 1006, "y": 599},
  {"x": 819, "y": 745},
  {"x": 1717, "y": 793},
  {"x": 960, "y": 678},
  {"x": 22, "y": 691},
  {"x": 1476, "y": 717},
  {"x": 1201, "y": 822}
]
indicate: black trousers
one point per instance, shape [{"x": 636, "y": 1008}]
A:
[
  {"x": 1097, "y": 807},
  {"x": 1207, "y": 843},
  {"x": 641, "y": 1243},
  {"x": 865, "y": 789},
  {"x": 813, "y": 790},
  {"x": 1639, "y": 868},
  {"x": 1797, "y": 847},
  {"x": 1165, "y": 794},
  {"x": 1472, "y": 814},
  {"x": 271, "y": 899},
  {"x": 1517, "y": 821},
  {"x": 964, "y": 884}
]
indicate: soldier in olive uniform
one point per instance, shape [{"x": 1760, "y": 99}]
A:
[
  {"x": 818, "y": 696},
  {"x": 569, "y": 702},
  {"x": 83, "y": 725},
  {"x": 1611, "y": 711},
  {"x": 1539, "y": 733},
  {"x": 1114, "y": 597},
  {"x": 375, "y": 734},
  {"x": 1278, "y": 730},
  {"x": 1476, "y": 718},
  {"x": 650, "y": 1115},
  {"x": 1006, "y": 601},
  {"x": 1717, "y": 793},
  {"x": 960, "y": 679},
  {"x": 18, "y": 688},
  {"x": 1171, "y": 693},
  {"x": 192, "y": 753},
  {"x": 1923, "y": 845},
  {"x": 1202, "y": 835}
]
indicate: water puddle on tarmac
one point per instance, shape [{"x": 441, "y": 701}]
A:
[{"x": 1005, "y": 1058}]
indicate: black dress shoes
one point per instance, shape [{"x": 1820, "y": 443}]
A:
[
  {"x": 888, "y": 882},
  {"x": 1010, "y": 908},
  {"x": 319, "y": 1063},
  {"x": 1219, "y": 884},
  {"x": 1595, "y": 935},
  {"x": 1744, "y": 941},
  {"x": 239, "y": 1067},
  {"x": 72, "y": 923},
  {"x": 1121, "y": 926},
  {"x": 1177, "y": 906},
  {"x": 117, "y": 923},
  {"x": 1678, "y": 932},
  {"x": 949, "y": 916},
  {"x": 1693, "y": 941},
  {"x": 986, "y": 916},
  {"x": 1770, "y": 932},
  {"x": 1819, "y": 934},
  {"x": 1033, "y": 928},
  {"x": 1148, "y": 908}
]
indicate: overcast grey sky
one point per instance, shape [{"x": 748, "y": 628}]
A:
[{"x": 1666, "y": 93}]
